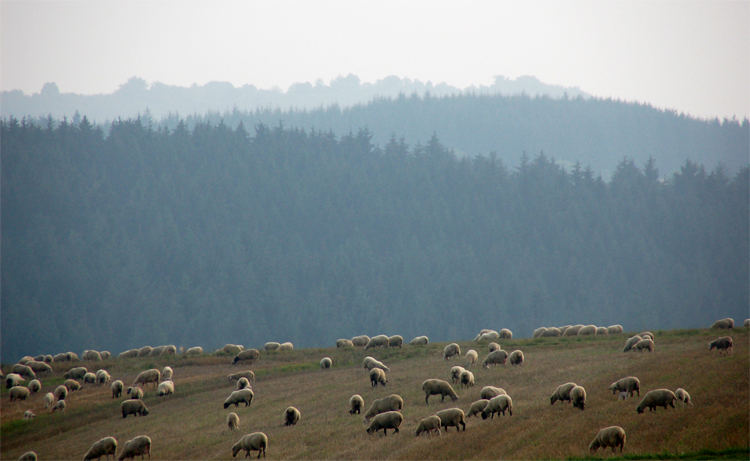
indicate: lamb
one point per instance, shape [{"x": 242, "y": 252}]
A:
[
  {"x": 89, "y": 378},
  {"x": 438, "y": 386},
  {"x": 562, "y": 393},
  {"x": 249, "y": 442},
  {"x": 28, "y": 414},
  {"x": 683, "y": 396},
  {"x": 495, "y": 358},
  {"x": 419, "y": 341},
  {"x": 140, "y": 445},
  {"x": 370, "y": 363},
  {"x": 628, "y": 384},
  {"x": 614, "y": 329},
  {"x": 241, "y": 396},
  {"x": 429, "y": 424},
  {"x": 91, "y": 356},
  {"x": 356, "y": 402},
  {"x": 455, "y": 373},
  {"x": 35, "y": 385},
  {"x": 116, "y": 387},
  {"x": 385, "y": 421},
  {"x": 23, "y": 370},
  {"x": 467, "y": 378},
  {"x": 167, "y": 373},
  {"x": 360, "y": 341},
  {"x": 657, "y": 397},
  {"x": 377, "y": 376},
  {"x": 377, "y": 341},
  {"x": 391, "y": 402},
  {"x": 506, "y": 333},
  {"x": 726, "y": 323},
  {"x": 248, "y": 354},
  {"x": 72, "y": 385},
  {"x": 287, "y": 346},
  {"x": 59, "y": 405},
  {"x": 493, "y": 346},
  {"x": 477, "y": 406},
  {"x": 48, "y": 399},
  {"x": 516, "y": 357},
  {"x": 451, "y": 350},
  {"x": 326, "y": 362},
  {"x": 233, "y": 421},
  {"x": 612, "y": 436},
  {"x": 452, "y": 417},
  {"x": 498, "y": 404},
  {"x": 488, "y": 392},
  {"x": 135, "y": 392},
  {"x": 395, "y": 341},
  {"x": 28, "y": 456},
  {"x": 102, "y": 447},
  {"x": 102, "y": 377},
  {"x": 630, "y": 342},
  {"x": 148, "y": 376},
  {"x": 133, "y": 407},
  {"x": 644, "y": 344},
  {"x": 271, "y": 346},
  {"x": 249, "y": 374},
  {"x": 19, "y": 393},
  {"x": 13, "y": 379},
  {"x": 344, "y": 343},
  {"x": 192, "y": 351},
  {"x": 60, "y": 392},
  {"x": 471, "y": 357},
  {"x": 724, "y": 343},
  {"x": 243, "y": 383},
  {"x": 291, "y": 416},
  {"x": 165, "y": 388},
  {"x": 578, "y": 397}
]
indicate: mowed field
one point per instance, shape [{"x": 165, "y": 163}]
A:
[{"x": 191, "y": 423}]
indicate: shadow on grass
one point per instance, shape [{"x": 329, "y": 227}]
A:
[{"x": 728, "y": 454}]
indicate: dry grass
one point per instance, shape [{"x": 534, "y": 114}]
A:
[{"x": 191, "y": 423}]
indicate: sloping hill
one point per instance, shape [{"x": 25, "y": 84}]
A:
[{"x": 191, "y": 423}]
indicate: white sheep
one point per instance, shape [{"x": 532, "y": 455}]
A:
[
  {"x": 243, "y": 383},
  {"x": 615, "y": 329},
  {"x": 628, "y": 384},
  {"x": 429, "y": 424},
  {"x": 272, "y": 346},
  {"x": 360, "y": 341},
  {"x": 102, "y": 447},
  {"x": 165, "y": 388},
  {"x": 505, "y": 333},
  {"x": 377, "y": 376},
  {"x": 19, "y": 393},
  {"x": 646, "y": 344},
  {"x": 455, "y": 373},
  {"x": 13, "y": 379},
  {"x": 497, "y": 357},
  {"x": 287, "y": 346},
  {"x": 452, "y": 417},
  {"x": 75, "y": 373},
  {"x": 451, "y": 350},
  {"x": 240, "y": 396},
  {"x": 391, "y": 402},
  {"x": 89, "y": 378},
  {"x": 251, "y": 442},
  {"x": 395, "y": 341},
  {"x": 377, "y": 341},
  {"x": 467, "y": 378},
  {"x": 35, "y": 385},
  {"x": 356, "y": 402},
  {"x": 233, "y": 421},
  {"x": 167, "y": 373},
  {"x": 471, "y": 357},
  {"x": 657, "y": 398},
  {"x": 291, "y": 416},
  {"x": 370, "y": 363},
  {"x": 326, "y": 362},
  {"x": 246, "y": 355},
  {"x": 134, "y": 407},
  {"x": 386, "y": 420},
  {"x": 194, "y": 351},
  {"x": 137, "y": 446},
  {"x": 117, "y": 386},
  {"x": 726, "y": 323},
  {"x": 562, "y": 393},
  {"x": 148, "y": 376},
  {"x": 683, "y": 396},
  {"x": 28, "y": 414},
  {"x": 60, "y": 392},
  {"x": 48, "y": 399},
  {"x": 477, "y": 406},
  {"x": 72, "y": 385},
  {"x": 438, "y": 387},
  {"x": 102, "y": 377},
  {"x": 249, "y": 374},
  {"x": 630, "y": 342},
  {"x": 493, "y": 346},
  {"x": 488, "y": 392},
  {"x": 135, "y": 392},
  {"x": 612, "y": 436},
  {"x": 59, "y": 406},
  {"x": 578, "y": 397},
  {"x": 516, "y": 357},
  {"x": 498, "y": 404},
  {"x": 344, "y": 343},
  {"x": 28, "y": 456},
  {"x": 419, "y": 341}
]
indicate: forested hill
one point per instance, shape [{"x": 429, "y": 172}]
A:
[{"x": 212, "y": 235}]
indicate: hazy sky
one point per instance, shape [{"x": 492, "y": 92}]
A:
[{"x": 691, "y": 56}]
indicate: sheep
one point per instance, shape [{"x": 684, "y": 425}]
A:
[
  {"x": 377, "y": 341},
  {"x": 102, "y": 447},
  {"x": 105, "y": 355},
  {"x": 233, "y": 421},
  {"x": 231, "y": 349},
  {"x": 360, "y": 341},
  {"x": 28, "y": 456},
  {"x": 248, "y": 354},
  {"x": 601, "y": 331},
  {"x": 19, "y": 393},
  {"x": 35, "y": 385},
  {"x": 135, "y": 392},
  {"x": 644, "y": 344},
  {"x": 494, "y": 358},
  {"x": 746, "y": 323},
  {"x": 370, "y": 363},
  {"x": 39, "y": 367},
  {"x": 471, "y": 357},
  {"x": 157, "y": 351},
  {"x": 344, "y": 343},
  {"x": 438, "y": 386},
  {"x": 452, "y": 417},
  {"x": 23, "y": 370},
  {"x": 578, "y": 397},
  {"x": 128, "y": 354},
  {"x": 488, "y": 392},
  {"x": 573, "y": 330},
  {"x": 551, "y": 332},
  {"x": 630, "y": 342},
  {"x": 477, "y": 406},
  {"x": 726, "y": 323},
  {"x": 587, "y": 330},
  {"x": 395, "y": 341},
  {"x": 249, "y": 442},
  {"x": 488, "y": 335},
  {"x": 72, "y": 385},
  {"x": 148, "y": 376},
  {"x": 356, "y": 402},
  {"x": 291, "y": 416},
  {"x": 145, "y": 351},
  {"x": 724, "y": 343},
  {"x": 326, "y": 362},
  {"x": 498, "y": 404},
  {"x": 133, "y": 407},
  {"x": 271, "y": 346},
  {"x": 241, "y": 396},
  {"x": 59, "y": 405},
  {"x": 195, "y": 350},
  {"x": 647, "y": 334},
  {"x": 102, "y": 377},
  {"x": 249, "y": 374},
  {"x": 28, "y": 414},
  {"x": 167, "y": 373},
  {"x": 385, "y": 421},
  {"x": 683, "y": 396},
  {"x": 140, "y": 445},
  {"x": 377, "y": 376},
  {"x": 243, "y": 383},
  {"x": 391, "y": 402},
  {"x": 419, "y": 341},
  {"x": 506, "y": 333},
  {"x": 612, "y": 436},
  {"x": 451, "y": 350},
  {"x": 493, "y": 346},
  {"x": 287, "y": 346},
  {"x": 467, "y": 378},
  {"x": 614, "y": 329},
  {"x": 429, "y": 424},
  {"x": 537, "y": 333},
  {"x": 91, "y": 356},
  {"x": 516, "y": 357},
  {"x": 89, "y": 378},
  {"x": 628, "y": 384},
  {"x": 75, "y": 373},
  {"x": 562, "y": 393},
  {"x": 60, "y": 392},
  {"x": 48, "y": 399},
  {"x": 13, "y": 379},
  {"x": 116, "y": 387},
  {"x": 657, "y": 397},
  {"x": 165, "y": 388},
  {"x": 455, "y": 373}
]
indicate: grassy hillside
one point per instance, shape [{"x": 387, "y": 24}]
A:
[{"x": 191, "y": 423}]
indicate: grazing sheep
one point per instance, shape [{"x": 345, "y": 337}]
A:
[
  {"x": 647, "y": 334},
  {"x": 19, "y": 393},
  {"x": 48, "y": 399},
  {"x": 493, "y": 346},
  {"x": 385, "y": 421},
  {"x": 391, "y": 402},
  {"x": 467, "y": 378},
  {"x": 498, "y": 404},
  {"x": 477, "y": 406},
  {"x": 326, "y": 362},
  {"x": 452, "y": 417},
  {"x": 25, "y": 359},
  {"x": 60, "y": 392},
  {"x": 683, "y": 396},
  {"x": 165, "y": 388},
  {"x": 233, "y": 421},
  {"x": 746, "y": 323},
  {"x": 157, "y": 351},
  {"x": 241, "y": 396},
  {"x": 538, "y": 332},
  {"x": 117, "y": 386},
  {"x": 135, "y": 392},
  {"x": 657, "y": 398},
  {"x": 59, "y": 406},
  {"x": 612, "y": 436},
  {"x": 497, "y": 357},
  {"x": 370, "y": 363},
  {"x": 287, "y": 346},
  {"x": 291, "y": 416},
  {"x": 23, "y": 370},
  {"x": 28, "y": 414},
  {"x": 578, "y": 397},
  {"x": 488, "y": 335},
  {"x": 133, "y": 407},
  {"x": 628, "y": 384},
  {"x": 395, "y": 341},
  {"x": 356, "y": 402},
  {"x": 471, "y": 357},
  {"x": 243, "y": 383},
  {"x": 601, "y": 331},
  {"x": 455, "y": 373},
  {"x": 377, "y": 341},
  {"x": 451, "y": 350},
  {"x": 148, "y": 376},
  {"x": 89, "y": 378},
  {"x": 248, "y": 354},
  {"x": 488, "y": 392},
  {"x": 128, "y": 354},
  {"x": 344, "y": 343},
  {"x": 630, "y": 342},
  {"x": 505, "y": 333},
  {"x": 194, "y": 351},
  {"x": 615, "y": 329},
  {"x": 551, "y": 332},
  {"x": 13, "y": 379},
  {"x": 231, "y": 349},
  {"x": 726, "y": 323},
  {"x": 167, "y": 373},
  {"x": 28, "y": 456},
  {"x": 429, "y": 424},
  {"x": 91, "y": 356},
  {"x": 145, "y": 351},
  {"x": 573, "y": 330},
  {"x": 646, "y": 344},
  {"x": 169, "y": 349},
  {"x": 271, "y": 346},
  {"x": 35, "y": 385},
  {"x": 724, "y": 343},
  {"x": 39, "y": 367},
  {"x": 562, "y": 393},
  {"x": 419, "y": 341},
  {"x": 102, "y": 447},
  {"x": 249, "y": 374},
  {"x": 105, "y": 355},
  {"x": 72, "y": 385},
  {"x": 102, "y": 377},
  {"x": 377, "y": 376},
  {"x": 516, "y": 357},
  {"x": 249, "y": 442},
  {"x": 587, "y": 330},
  {"x": 360, "y": 341},
  {"x": 438, "y": 387},
  {"x": 140, "y": 445}
]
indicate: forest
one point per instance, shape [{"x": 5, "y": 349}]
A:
[{"x": 210, "y": 233}]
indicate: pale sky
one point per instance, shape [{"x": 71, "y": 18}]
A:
[{"x": 690, "y": 56}]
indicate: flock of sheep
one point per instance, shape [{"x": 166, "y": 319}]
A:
[{"x": 382, "y": 414}]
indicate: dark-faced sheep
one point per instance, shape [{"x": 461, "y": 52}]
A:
[
  {"x": 612, "y": 436},
  {"x": 240, "y": 396},
  {"x": 60, "y": 392},
  {"x": 385, "y": 421},
  {"x": 516, "y": 357},
  {"x": 326, "y": 363},
  {"x": 233, "y": 421},
  {"x": 377, "y": 341},
  {"x": 138, "y": 446},
  {"x": 455, "y": 373},
  {"x": 493, "y": 346},
  {"x": 165, "y": 388},
  {"x": 498, "y": 404},
  {"x": 395, "y": 341},
  {"x": 13, "y": 379},
  {"x": 725, "y": 344},
  {"x": 248, "y": 355},
  {"x": 477, "y": 407},
  {"x": 578, "y": 397},
  {"x": 116, "y": 387},
  {"x": 451, "y": 350},
  {"x": 467, "y": 378},
  {"x": 726, "y": 323},
  {"x": 428, "y": 425},
  {"x": 377, "y": 376},
  {"x": 291, "y": 416},
  {"x": 452, "y": 417},
  {"x": 135, "y": 392},
  {"x": 562, "y": 393},
  {"x": 251, "y": 442},
  {"x": 102, "y": 447},
  {"x": 133, "y": 407},
  {"x": 243, "y": 383},
  {"x": 491, "y": 391},
  {"x": 391, "y": 402},
  {"x": 148, "y": 376},
  {"x": 35, "y": 385},
  {"x": 628, "y": 384},
  {"x": 657, "y": 398},
  {"x": 356, "y": 402},
  {"x": 438, "y": 387}
]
